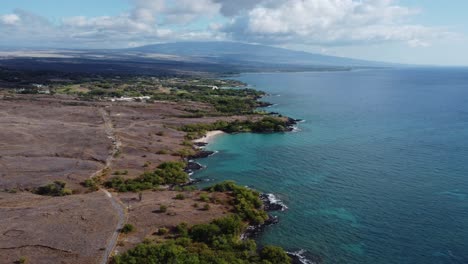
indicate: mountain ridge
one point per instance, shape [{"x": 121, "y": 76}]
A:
[{"x": 226, "y": 51}]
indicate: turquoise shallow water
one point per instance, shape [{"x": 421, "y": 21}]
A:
[{"x": 378, "y": 173}]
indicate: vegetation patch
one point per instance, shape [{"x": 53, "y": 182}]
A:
[
  {"x": 218, "y": 93},
  {"x": 225, "y": 101},
  {"x": 57, "y": 188},
  {"x": 216, "y": 242},
  {"x": 268, "y": 124},
  {"x": 168, "y": 173},
  {"x": 180, "y": 196},
  {"x": 163, "y": 208},
  {"x": 246, "y": 202},
  {"x": 127, "y": 228}
]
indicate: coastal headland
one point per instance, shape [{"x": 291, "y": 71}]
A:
[{"x": 94, "y": 170}]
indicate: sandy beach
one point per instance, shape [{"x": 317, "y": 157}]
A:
[{"x": 210, "y": 135}]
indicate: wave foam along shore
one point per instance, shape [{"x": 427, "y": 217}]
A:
[
  {"x": 300, "y": 258},
  {"x": 210, "y": 135},
  {"x": 272, "y": 203}
]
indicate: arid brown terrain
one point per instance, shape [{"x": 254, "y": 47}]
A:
[
  {"x": 146, "y": 214},
  {"x": 48, "y": 138},
  {"x": 70, "y": 229}
]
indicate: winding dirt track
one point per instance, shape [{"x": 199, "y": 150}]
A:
[
  {"x": 116, "y": 204},
  {"x": 115, "y": 236}
]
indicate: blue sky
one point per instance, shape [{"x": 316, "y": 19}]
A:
[{"x": 406, "y": 31}]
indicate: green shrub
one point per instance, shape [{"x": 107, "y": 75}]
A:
[
  {"x": 91, "y": 184},
  {"x": 205, "y": 233},
  {"x": 180, "y": 197},
  {"x": 185, "y": 152},
  {"x": 182, "y": 229},
  {"x": 14, "y": 190},
  {"x": 274, "y": 255},
  {"x": 162, "y": 208},
  {"x": 127, "y": 228},
  {"x": 162, "y": 152},
  {"x": 162, "y": 231},
  {"x": 189, "y": 188},
  {"x": 246, "y": 202},
  {"x": 187, "y": 143},
  {"x": 204, "y": 197},
  {"x": 54, "y": 189}
]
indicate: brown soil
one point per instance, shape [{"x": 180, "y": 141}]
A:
[
  {"x": 44, "y": 141},
  {"x": 146, "y": 216},
  {"x": 70, "y": 229},
  {"x": 46, "y": 138},
  {"x": 53, "y": 138}
]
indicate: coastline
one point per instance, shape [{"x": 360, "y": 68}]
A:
[
  {"x": 209, "y": 137},
  {"x": 270, "y": 202}
]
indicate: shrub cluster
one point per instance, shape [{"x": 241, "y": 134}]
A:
[
  {"x": 216, "y": 242},
  {"x": 166, "y": 173},
  {"x": 226, "y": 101},
  {"x": 246, "y": 202},
  {"x": 127, "y": 228},
  {"x": 57, "y": 188},
  {"x": 267, "y": 124}
]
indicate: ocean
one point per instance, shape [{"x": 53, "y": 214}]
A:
[{"x": 377, "y": 173}]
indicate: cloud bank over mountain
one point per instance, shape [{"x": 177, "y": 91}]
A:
[{"x": 277, "y": 22}]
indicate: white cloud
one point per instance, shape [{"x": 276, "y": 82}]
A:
[
  {"x": 232, "y": 8},
  {"x": 186, "y": 11},
  {"x": 9, "y": 19},
  {"x": 106, "y": 23},
  {"x": 417, "y": 43},
  {"x": 331, "y": 22},
  {"x": 172, "y": 11},
  {"x": 146, "y": 10},
  {"x": 281, "y": 22}
]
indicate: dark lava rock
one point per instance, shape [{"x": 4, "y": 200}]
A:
[
  {"x": 264, "y": 104},
  {"x": 303, "y": 257},
  {"x": 291, "y": 122},
  {"x": 200, "y": 144},
  {"x": 193, "y": 166},
  {"x": 191, "y": 182},
  {"x": 255, "y": 231},
  {"x": 202, "y": 154},
  {"x": 271, "y": 203}
]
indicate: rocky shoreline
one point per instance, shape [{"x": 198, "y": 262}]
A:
[
  {"x": 270, "y": 202},
  {"x": 301, "y": 257}
]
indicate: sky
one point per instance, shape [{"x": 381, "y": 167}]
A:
[{"x": 404, "y": 31}]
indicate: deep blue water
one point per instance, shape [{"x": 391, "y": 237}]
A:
[{"x": 378, "y": 173}]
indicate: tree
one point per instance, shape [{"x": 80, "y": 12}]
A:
[{"x": 275, "y": 255}]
